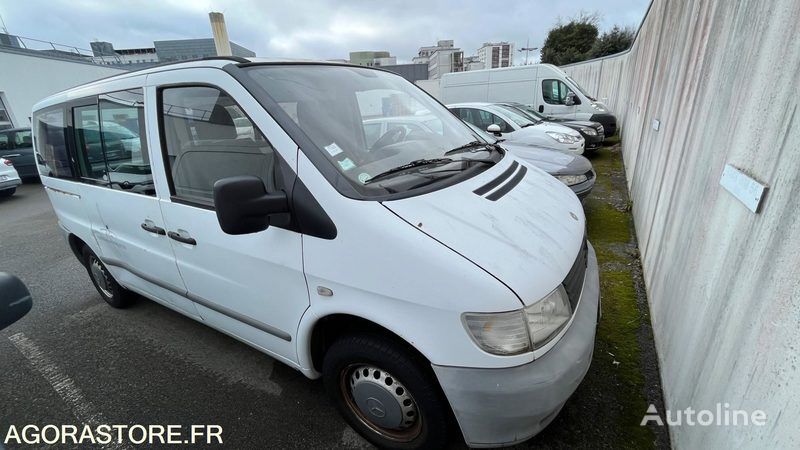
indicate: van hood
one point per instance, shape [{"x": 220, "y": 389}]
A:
[{"x": 526, "y": 234}]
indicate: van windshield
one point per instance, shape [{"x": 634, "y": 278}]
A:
[
  {"x": 368, "y": 122},
  {"x": 578, "y": 87}
]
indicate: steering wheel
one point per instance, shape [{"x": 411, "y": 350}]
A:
[{"x": 392, "y": 136}]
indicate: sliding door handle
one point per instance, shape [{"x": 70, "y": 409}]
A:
[
  {"x": 184, "y": 239},
  {"x": 153, "y": 229}
]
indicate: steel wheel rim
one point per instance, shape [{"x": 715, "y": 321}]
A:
[
  {"x": 101, "y": 277},
  {"x": 354, "y": 375}
]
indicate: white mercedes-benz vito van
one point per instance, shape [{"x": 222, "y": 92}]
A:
[{"x": 426, "y": 276}]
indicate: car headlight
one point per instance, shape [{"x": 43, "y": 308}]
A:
[
  {"x": 571, "y": 180},
  {"x": 523, "y": 330},
  {"x": 589, "y": 131},
  {"x": 561, "y": 137}
]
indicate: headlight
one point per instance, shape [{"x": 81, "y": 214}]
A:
[
  {"x": 499, "y": 333},
  {"x": 548, "y": 316},
  {"x": 561, "y": 137},
  {"x": 515, "y": 332},
  {"x": 597, "y": 107},
  {"x": 571, "y": 180},
  {"x": 589, "y": 131}
]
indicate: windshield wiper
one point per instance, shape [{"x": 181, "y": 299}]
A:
[
  {"x": 410, "y": 165},
  {"x": 465, "y": 147}
]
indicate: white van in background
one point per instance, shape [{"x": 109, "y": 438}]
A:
[{"x": 543, "y": 86}]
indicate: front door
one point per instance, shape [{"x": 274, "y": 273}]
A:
[
  {"x": 251, "y": 286},
  {"x": 554, "y": 99}
]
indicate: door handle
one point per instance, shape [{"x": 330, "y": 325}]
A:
[
  {"x": 153, "y": 229},
  {"x": 14, "y": 155},
  {"x": 183, "y": 239},
  {"x": 541, "y": 108}
]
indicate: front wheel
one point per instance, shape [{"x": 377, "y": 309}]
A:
[
  {"x": 385, "y": 393},
  {"x": 7, "y": 192},
  {"x": 114, "y": 294}
]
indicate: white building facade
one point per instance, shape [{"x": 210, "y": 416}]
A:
[{"x": 496, "y": 54}]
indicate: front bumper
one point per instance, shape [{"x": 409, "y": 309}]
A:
[
  {"x": 593, "y": 142},
  {"x": 10, "y": 183},
  {"x": 500, "y": 407},
  {"x": 609, "y": 122}
]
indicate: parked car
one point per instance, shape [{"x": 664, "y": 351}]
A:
[
  {"x": 573, "y": 170},
  {"x": 16, "y": 145},
  {"x": 415, "y": 276},
  {"x": 514, "y": 126},
  {"x": 9, "y": 178},
  {"x": 592, "y": 132},
  {"x": 548, "y": 88}
]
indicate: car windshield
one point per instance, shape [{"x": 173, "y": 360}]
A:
[
  {"x": 517, "y": 116},
  {"x": 367, "y": 122},
  {"x": 530, "y": 111}
]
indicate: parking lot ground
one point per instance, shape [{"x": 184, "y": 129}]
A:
[{"x": 74, "y": 360}]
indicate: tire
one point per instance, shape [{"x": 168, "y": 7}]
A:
[
  {"x": 403, "y": 407},
  {"x": 108, "y": 288},
  {"x": 7, "y": 192}
]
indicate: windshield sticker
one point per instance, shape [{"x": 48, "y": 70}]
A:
[
  {"x": 346, "y": 164},
  {"x": 363, "y": 177},
  {"x": 333, "y": 149}
]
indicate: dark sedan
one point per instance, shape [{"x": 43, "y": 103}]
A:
[
  {"x": 592, "y": 132},
  {"x": 16, "y": 145}
]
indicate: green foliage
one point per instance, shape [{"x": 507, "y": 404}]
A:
[
  {"x": 570, "y": 42},
  {"x": 614, "y": 41},
  {"x": 578, "y": 40}
]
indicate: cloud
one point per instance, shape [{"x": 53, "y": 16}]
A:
[{"x": 319, "y": 29}]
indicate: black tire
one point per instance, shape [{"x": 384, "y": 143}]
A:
[
  {"x": 108, "y": 288},
  {"x": 7, "y": 192},
  {"x": 392, "y": 365}
]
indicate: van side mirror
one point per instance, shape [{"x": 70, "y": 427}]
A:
[
  {"x": 15, "y": 299},
  {"x": 243, "y": 205},
  {"x": 572, "y": 99},
  {"x": 494, "y": 129}
]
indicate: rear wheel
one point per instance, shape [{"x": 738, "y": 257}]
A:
[
  {"x": 114, "y": 294},
  {"x": 385, "y": 393},
  {"x": 7, "y": 192}
]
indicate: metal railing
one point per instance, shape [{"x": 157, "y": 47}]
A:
[{"x": 57, "y": 50}]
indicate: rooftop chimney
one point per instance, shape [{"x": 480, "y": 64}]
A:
[{"x": 221, "y": 42}]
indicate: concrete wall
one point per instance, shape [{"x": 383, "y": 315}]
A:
[
  {"x": 26, "y": 78},
  {"x": 723, "y": 283}
]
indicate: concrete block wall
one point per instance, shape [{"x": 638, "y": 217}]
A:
[{"x": 722, "y": 77}]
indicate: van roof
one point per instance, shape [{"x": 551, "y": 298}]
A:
[
  {"x": 500, "y": 69},
  {"x": 212, "y": 61}
]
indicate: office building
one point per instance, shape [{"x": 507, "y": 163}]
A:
[
  {"x": 496, "y": 54},
  {"x": 372, "y": 58},
  {"x": 441, "y": 58}
]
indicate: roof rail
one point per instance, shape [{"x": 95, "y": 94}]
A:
[{"x": 237, "y": 59}]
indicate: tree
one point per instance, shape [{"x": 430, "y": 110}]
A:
[
  {"x": 571, "y": 42},
  {"x": 617, "y": 40}
]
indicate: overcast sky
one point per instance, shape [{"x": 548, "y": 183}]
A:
[{"x": 319, "y": 29}]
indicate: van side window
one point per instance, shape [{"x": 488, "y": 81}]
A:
[
  {"x": 208, "y": 137},
  {"x": 51, "y": 143},
  {"x": 89, "y": 147},
  {"x": 125, "y": 141},
  {"x": 555, "y": 92}
]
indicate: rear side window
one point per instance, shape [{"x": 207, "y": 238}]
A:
[
  {"x": 22, "y": 139},
  {"x": 208, "y": 137},
  {"x": 5, "y": 143},
  {"x": 125, "y": 141},
  {"x": 51, "y": 143},
  {"x": 89, "y": 147}
]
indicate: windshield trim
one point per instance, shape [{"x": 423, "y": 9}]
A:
[{"x": 241, "y": 73}]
